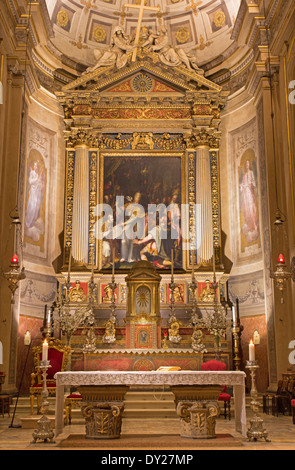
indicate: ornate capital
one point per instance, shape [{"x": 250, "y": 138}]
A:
[{"x": 203, "y": 137}]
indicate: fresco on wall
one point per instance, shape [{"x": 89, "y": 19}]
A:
[
  {"x": 249, "y": 219},
  {"x": 35, "y": 199},
  {"x": 245, "y": 199}
]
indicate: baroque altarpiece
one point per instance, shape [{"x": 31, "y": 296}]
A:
[{"x": 147, "y": 132}]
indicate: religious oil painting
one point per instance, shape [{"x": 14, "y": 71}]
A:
[
  {"x": 35, "y": 199},
  {"x": 144, "y": 194},
  {"x": 249, "y": 214}
]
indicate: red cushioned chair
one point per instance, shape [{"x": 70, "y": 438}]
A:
[
  {"x": 58, "y": 356},
  {"x": 224, "y": 397},
  {"x": 72, "y": 401}
]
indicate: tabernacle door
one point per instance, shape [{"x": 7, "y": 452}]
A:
[{"x": 143, "y": 318}]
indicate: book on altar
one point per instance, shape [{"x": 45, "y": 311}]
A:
[{"x": 168, "y": 368}]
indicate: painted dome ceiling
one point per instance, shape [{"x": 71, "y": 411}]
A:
[{"x": 203, "y": 27}]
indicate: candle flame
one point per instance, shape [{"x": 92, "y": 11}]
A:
[{"x": 251, "y": 341}]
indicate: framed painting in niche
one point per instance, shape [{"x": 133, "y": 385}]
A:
[{"x": 133, "y": 185}]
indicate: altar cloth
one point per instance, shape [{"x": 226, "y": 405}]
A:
[{"x": 236, "y": 379}]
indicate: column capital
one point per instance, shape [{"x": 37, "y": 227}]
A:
[
  {"x": 80, "y": 138},
  {"x": 203, "y": 138}
]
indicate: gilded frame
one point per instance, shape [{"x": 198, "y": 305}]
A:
[{"x": 103, "y": 154}]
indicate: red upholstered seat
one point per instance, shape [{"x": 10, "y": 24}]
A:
[
  {"x": 225, "y": 397},
  {"x": 58, "y": 356},
  {"x": 71, "y": 401},
  {"x": 75, "y": 395},
  {"x": 292, "y": 402}
]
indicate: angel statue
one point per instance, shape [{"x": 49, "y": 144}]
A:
[
  {"x": 169, "y": 55},
  {"x": 116, "y": 54}
]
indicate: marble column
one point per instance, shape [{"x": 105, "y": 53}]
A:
[
  {"x": 80, "y": 221},
  {"x": 204, "y": 199}
]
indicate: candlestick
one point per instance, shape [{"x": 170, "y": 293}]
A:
[
  {"x": 172, "y": 263},
  {"x": 113, "y": 266},
  {"x": 70, "y": 264},
  {"x": 256, "y": 430},
  {"x": 45, "y": 351},
  {"x": 251, "y": 351},
  {"x": 44, "y": 431}
]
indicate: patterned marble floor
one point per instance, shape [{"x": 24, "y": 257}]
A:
[{"x": 281, "y": 432}]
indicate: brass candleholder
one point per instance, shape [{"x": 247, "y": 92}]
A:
[
  {"x": 256, "y": 430},
  {"x": 44, "y": 431}
]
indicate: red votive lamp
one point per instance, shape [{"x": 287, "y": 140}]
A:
[
  {"x": 281, "y": 259},
  {"x": 14, "y": 259}
]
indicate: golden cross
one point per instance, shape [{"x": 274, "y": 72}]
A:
[
  {"x": 141, "y": 8},
  {"x": 194, "y": 7}
]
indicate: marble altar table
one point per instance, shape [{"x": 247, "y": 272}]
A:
[{"x": 192, "y": 389}]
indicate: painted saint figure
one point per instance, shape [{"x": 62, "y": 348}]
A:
[
  {"x": 34, "y": 225},
  {"x": 249, "y": 206}
]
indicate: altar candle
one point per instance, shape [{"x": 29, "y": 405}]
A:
[
  {"x": 251, "y": 351},
  {"x": 234, "y": 316},
  {"x": 113, "y": 266},
  {"x": 45, "y": 351},
  {"x": 214, "y": 267},
  {"x": 45, "y": 315},
  {"x": 27, "y": 338},
  {"x": 49, "y": 317},
  {"x": 193, "y": 266},
  {"x": 70, "y": 262}
]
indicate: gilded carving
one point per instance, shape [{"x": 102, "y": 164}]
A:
[
  {"x": 219, "y": 19},
  {"x": 92, "y": 205},
  {"x": 62, "y": 18},
  {"x": 69, "y": 198},
  {"x": 182, "y": 34},
  {"x": 99, "y": 34}
]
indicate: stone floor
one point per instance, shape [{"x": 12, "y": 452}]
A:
[{"x": 281, "y": 433}]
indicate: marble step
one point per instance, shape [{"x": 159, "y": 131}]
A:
[{"x": 137, "y": 404}]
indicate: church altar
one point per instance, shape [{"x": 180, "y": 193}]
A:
[
  {"x": 196, "y": 387},
  {"x": 142, "y": 359}
]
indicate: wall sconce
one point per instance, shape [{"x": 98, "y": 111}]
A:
[
  {"x": 14, "y": 275},
  {"x": 281, "y": 275}
]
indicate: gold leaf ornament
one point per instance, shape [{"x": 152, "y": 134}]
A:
[
  {"x": 182, "y": 34},
  {"x": 99, "y": 34},
  {"x": 219, "y": 19},
  {"x": 62, "y": 18}
]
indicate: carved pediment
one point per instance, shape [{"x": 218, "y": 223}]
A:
[{"x": 169, "y": 79}]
